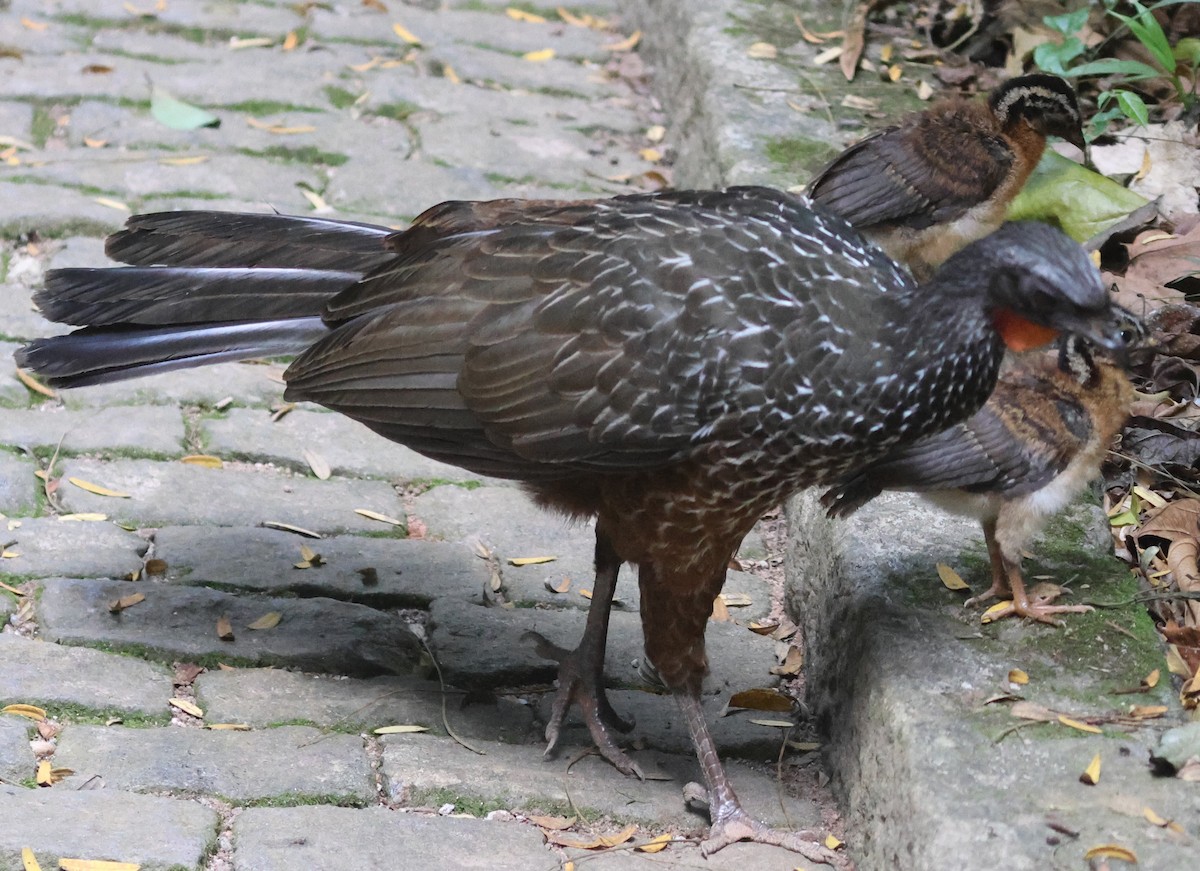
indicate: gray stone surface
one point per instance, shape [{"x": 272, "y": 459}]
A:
[
  {"x": 17, "y": 762},
  {"x": 181, "y": 622},
  {"x": 154, "y": 832},
  {"x": 144, "y": 430},
  {"x": 418, "y": 766},
  {"x": 334, "y": 839},
  {"x": 407, "y": 573},
  {"x": 264, "y": 697},
  {"x": 179, "y": 493},
  {"x": 288, "y": 762},
  {"x": 52, "y": 547},
  {"x": 36, "y": 672},
  {"x": 346, "y": 445},
  {"x": 18, "y": 486}
]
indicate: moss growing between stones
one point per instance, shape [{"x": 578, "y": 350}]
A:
[
  {"x": 339, "y": 98},
  {"x": 307, "y": 155},
  {"x": 297, "y": 799},
  {"x": 799, "y": 156}
]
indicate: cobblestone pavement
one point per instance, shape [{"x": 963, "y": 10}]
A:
[{"x": 360, "y": 121}]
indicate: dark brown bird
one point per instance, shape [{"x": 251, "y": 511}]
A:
[
  {"x": 672, "y": 365},
  {"x": 1021, "y": 458},
  {"x": 944, "y": 177}
]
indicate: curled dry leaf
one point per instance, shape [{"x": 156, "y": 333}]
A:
[
  {"x": 951, "y": 579},
  {"x": 405, "y": 34},
  {"x": 792, "y": 663},
  {"x": 156, "y": 566},
  {"x": 1091, "y": 774},
  {"x": 206, "y": 460},
  {"x": 530, "y": 560},
  {"x": 720, "y": 613},
  {"x": 626, "y": 44},
  {"x": 95, "y": 865},
  {"x": 97, "y": 489},
  {"x": 318, "y": 464},
  {"x": 1111, "y": 851},
  {"x": 228, "y": 727},
  {"x": 29, "y": 712},
  {"x": 267, "y": 621},
  {"x": 29, "y": 862},
  {"x": 1017, "y": 676},
  {"x": 655, "y": 845},
  {"x": 289, "y": 527},
  {"x": 553, "y": 824},
  {"x": 761, "y": 699},
  {"x": 188, "y": 707},
  {"x": 125, "y": 602},
  {"x": 1079, "y": 724},
  {"x": 404, "y": 729},
  {"x": 562, "y": 586},
  {"x": 224, "y": 628},
  {"x": 33, "y": 384}
]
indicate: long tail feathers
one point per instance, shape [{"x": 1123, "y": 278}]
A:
[{"x": 99, "y": 355}]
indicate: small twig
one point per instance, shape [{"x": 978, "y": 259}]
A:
[
  {"x": 1012, "y": 729},
  {"x": 445, "y": 719}
]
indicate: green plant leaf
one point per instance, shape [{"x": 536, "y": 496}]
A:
[
  {"x": 170, "y": 110},
  {"x": 1134, "y": 69},
  {"x": 1081, "y": 202},
  {"x": 1150, "y": 34},
  {"x": 1188, "y": 51},
  {"x": 1069, "y": 23},
  {"x": 1053, "y": 58},
  {"x": 1133, "y": 107}
]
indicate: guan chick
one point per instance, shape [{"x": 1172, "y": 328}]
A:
[
  {"x": 1023, "y": 457},
  {"x": 944, "y": 177}
]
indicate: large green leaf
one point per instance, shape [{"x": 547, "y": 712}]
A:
[
  {"x": 1081, "y": 202},
  {"x": 178, "y": 115}
]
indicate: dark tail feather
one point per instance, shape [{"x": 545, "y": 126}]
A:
[
  {"x": 163, "y": 295},
  {"x": 228, "y": 239},
  {"x": 105, "y": 354},
  {"x": 849, "y": 495}
]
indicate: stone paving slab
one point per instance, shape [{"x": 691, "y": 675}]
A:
[
  {"x": 144, "y": 430},
  {"x": 424, "y": 769},
  {"x": 180, "y": 623},
  {"x": 348, "y": 446},
  {"x": 36, "y": 672},
  {"x": 336, "y": 839},
  {"x": 180, "y": 493},
  {"x": 17, "y": 762},
  {"x": 55, "y": 211},
  {"x": 50, "y": 547},
  {"x": 245, "y": 383},
  {"x": 160, "y": 834},
  {"x": 289, "y": 762},
  {"x": 264, "y": 697},
  {"x": 408, "y": 573},
  {"x": 18, "y": 486}
]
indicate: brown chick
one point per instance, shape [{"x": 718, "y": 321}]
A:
[
  {"x": 944, "y": 177},
  {"x": 1023, "y": 457}
]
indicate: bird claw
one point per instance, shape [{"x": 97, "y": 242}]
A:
[
  {"x": 577, "y": 683},
  {"x": 737, "y": 825},
  {"x": 1036, "y": 606}
]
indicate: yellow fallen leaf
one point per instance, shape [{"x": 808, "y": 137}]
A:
[
  {"x": 29, "y": 712},
  {"x": 400, "y": 730},
  {"x": 187, "y": 707},
  {"x": 112, "y": 204},
  {"x": 586, "y": 593},
  {"x": 650, "y": 155},
  {"x": 291, "y": 527},
  {"x": 656, "y": 133},
  {"x": 1151, "y": 680},
  {"x": 95, "y": 865},
  {"x": 190, "y": 160},
  {"x": 280, "y": 129},
  {"x": 33, "y": 384},
  {"x": 530, "y": 560},
  {"x": 1091, "y": 774},
  {"x": 30, "y": 24},
  {"x": 94, "y": 143},
  {"x": 775, "y": 724},
  {"x": 224, "y": 628},
  {"x": 318, "y": 464},
  {"x": 126, "y": 602},
  {"x": 1081, "y": 726},
  {"x": 29, "y": 861},
  {"x": 1154, "y": 819},
  {"x": 763, "y": 51},
  {"x": 375, "y": 515},
  {"x": 562, "y": 586},
  {"x": 1110, "y": 851},
  {"x": 405, "y": 34},
  {"x": 267, "y": 621},
  {"x": 236, "y": 42},
  {"x": 554, "y": 824},
  {"x": 832, "y": 53},
  {"x": 539, "y": 56},
  {"x": 761, "y": 699},
  {"x": 97, "y": 489},
  {"x": 207, "y": 461},
  {"x": 1147, "y": 712},
  {"x": 43, "y": 773},
  {"x": 450, "y": 75},
  {"x": 619, "y": 838},
  {"x": 521, "y": 15},
  {"x": 290, "y": 41},
  {"x": 894, "y": 72},
  {"x": 993, "y": 613},
  {"x": 318, "y": 201},
  {"x": 625, "y": 44},
  {"x": 228, "y": 727},
  {"x": 11, "y": 589},
  {"x": 654, "y": 845},
  {"x": 84, "y": 517},
  {"x": 9, "y": 554},
  {"x": 832, "y": 843},
  {"x": 951, "y": 579},
  {"x": 1017, "y": 676}
]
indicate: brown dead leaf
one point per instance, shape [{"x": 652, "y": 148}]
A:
[
  {"x": 720, "y": 613},
  {"x": 1079, "y": 724},
  {"x": 267, "y": 621},
  {"x": 1030, "y": 711},
  {"x": 761, "y": 699},
  {"x": 224, "y": 628},
  {"x": 655, "y": 845},
  {"x": 382, "y": 518},
  {"x": 1179, "y": 524},
  {"x": 792, "y": 663},
  {"x": 1161, "y": 259},
  {"x": 553, "y": 824},
  {"x": 33, "y": 384},
  {"x": 228, "y": 727},
  {"x": 95, "y": 865},
  {"x": 1091, "y": 774},
  {"x": 951, "y": 579},
  {"x": 1110, "y": 851},
  {"x": 156, "y": 566},
  {"x": 124, "y": 602},
  {"x": 854, "y": 40},
  {"x": 562, "y": 586}
]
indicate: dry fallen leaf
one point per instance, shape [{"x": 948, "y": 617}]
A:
[
  {"x": 29, "y": 712},
  {"x": 95, "y": 865},
  {"x": 1091, "y": 774},
  {"x": 267, "y": 621},
  {"x": 405, "y": 34},
  {"x": 156, "y": 566},
  {"x": 530, "y": 560},
  {"x": 97, "y": 489},
  {"x": 625, "y": 44},
  {"x": 43, "y": 773},
  {"x": 206, "y": 460},
  {"x": 775, "y": 724},
  {"x": 1017, "y": 676},
  {"x": 763, "y": 51},
  {"x": 1110, "y": 851},
  {"x": 289, "y": 527},
  {"x": 521, "y": 15},
  {"x": 951, "y": 579},
  {"x": 832, "y": 843},
  {"x": 228, "y": 727},
  {"x": 792, "y": 663},
  {"x": 400, "y": 730},
  {"x": 562, "y": 586},
  {"x": 554, "y": 824},
  {"x": 33, "y": 384},
  {"x": 318, "y": 464},
  {"x": 125, "y": 602},
  {"x": 224, "y": 628},
  {"x": 761, "y": 699},
  {"x": 539, "y": 56},
  {"x": 655, "y": 845},
  {"x": 29, "y": 862},
  {"x": 83, "y": 517},
  {"x": 375, "y": 515},
  {"x": 188, "y": 707},
  {"x": 1078, "y": 724}
]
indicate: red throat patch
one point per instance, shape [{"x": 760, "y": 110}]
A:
[{"x": 1020, "y": 334}]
